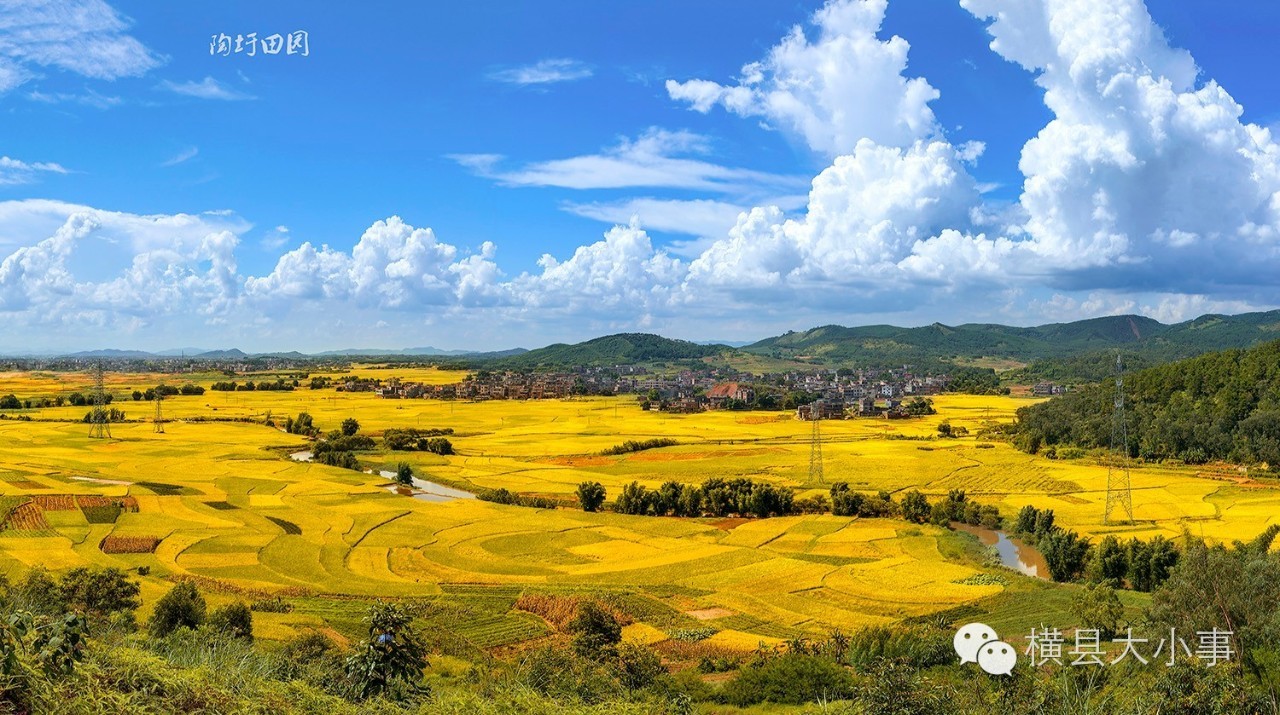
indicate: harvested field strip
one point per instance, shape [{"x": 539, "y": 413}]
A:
[
  {"x": 129, "y": 504},
  {"x": 55, "y": 502},
  {"x": 129, "y": 544},
  {"x": 26, "y": 517}
]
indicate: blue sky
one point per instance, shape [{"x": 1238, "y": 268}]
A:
[{"x": 476, "y": 175}]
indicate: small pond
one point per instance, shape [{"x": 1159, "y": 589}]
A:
[
  {"x": 422, "y": 489},
  {"x": 1013, "y": 553}
]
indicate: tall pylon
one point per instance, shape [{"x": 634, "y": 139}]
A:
[
  {"x": 99, "y": 419},
  {"x": 1119, "y": 489},
  {"x": 159, "y": 418},
  {"x": 815, "y": 447}
]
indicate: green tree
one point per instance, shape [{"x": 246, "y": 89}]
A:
[
  {"x": 350, "y": 426},
  {"x": 99, "y": 591},
  {"x": 233, "y": 619},
  {"x": 181, "y": 607},
  {"x": 404, "y": 474},
  {"x": 591, "y": 495},
  {"x": 1065, "y": 552},
  {"x": 391, "y": 658},
  {"x": 1098, "y": 607},
  {"x": 596, "y": 633},
  {"x": 915, "y": 507},
  {"x": 1109, "y": 563}
]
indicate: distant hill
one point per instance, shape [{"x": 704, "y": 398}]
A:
[
  {"x": 109, "y": 354},
  {"x": 375, "y": 352},
  {"x": 1150, "y": 340},
  {"x": 232, "y": 354},
  {"x": 621, "y": 349}
]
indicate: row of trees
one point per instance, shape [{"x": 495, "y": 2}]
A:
[
  {"x": 716, "y": 497},
  {"x": 719, "y": 497},
  {"x": 422, "y": 440},
  {"x": 280, "y": 385},
  {"x": 1135, "y": 564}
]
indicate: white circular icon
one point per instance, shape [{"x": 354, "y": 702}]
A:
[
  {"x": 970, "y": 638},
  {"x": 997, "y": 657}
]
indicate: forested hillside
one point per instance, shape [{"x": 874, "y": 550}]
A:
[
  {"x": 1223, "y": 405},
  {"x": 621, "y": 349},
  {"x": 1076, "y": 351}
]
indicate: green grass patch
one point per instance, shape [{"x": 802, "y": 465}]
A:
[
  {"x": 167, "y": 490},
  {"x": 104, "y": 514},
  {"x": 287, "y": 526}
]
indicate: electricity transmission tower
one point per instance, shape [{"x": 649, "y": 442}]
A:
[
  {"x": 1119, "y": 490},
  {"x": 100, "y": 419},
  {"x": 159, "y": 418},
  {"x": 815, "y": 448}
]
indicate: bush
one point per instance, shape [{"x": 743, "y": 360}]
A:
[
  {"x": 350, "y": 426},
  {"x": 274, "y": 604},
  {"x": 595, "y": 631},
  {"x": 181, "y": 607},
  {"x": 638, "y": 666},
  {"x": 404, "y": 474},
  {"x": 790, "y": 680},
  {"x": 234, "y": 620},
  {"x": 560, "y": 673}
]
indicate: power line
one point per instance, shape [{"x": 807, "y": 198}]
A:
[
  {"x": 159, "y": 418},
  {"x": 100, "y": 419},
  {"x": 1119, "y": 488},
  {"x": 815, "y": 448}
]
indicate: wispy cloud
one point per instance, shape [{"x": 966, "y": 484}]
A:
[
  {"x": 544, "y": 72},
  {"x": 86, "y": 37},
  {"x": 14, "y": 171},
  {"x": 275, "y": 238},
  {"x": 185, "y": 155},
  {"x": 208, "y": 88},
  {"x": 659, "y": 158},
  {"x": 89, "y": 98}
]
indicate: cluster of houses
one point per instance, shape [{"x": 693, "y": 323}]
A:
[
  {"x": 840, "y": 393},
  {"x": 1047, "y": 389}
]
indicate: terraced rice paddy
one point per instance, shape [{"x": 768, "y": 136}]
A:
[{"x": 222, "y": 502}]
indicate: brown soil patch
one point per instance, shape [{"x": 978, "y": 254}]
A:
[
  {"x": 764, "y": 420},
  {"x": 586, "y": 461},
  {"x": 709, "y": 614},
  {"x": 28, "y": 484},
  {"x": 686, "y": 456}
]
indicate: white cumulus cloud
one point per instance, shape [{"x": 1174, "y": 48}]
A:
[{"x": 835, "y": 89}]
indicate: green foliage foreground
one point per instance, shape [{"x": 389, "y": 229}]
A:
[{"x": 69, "y": 644}]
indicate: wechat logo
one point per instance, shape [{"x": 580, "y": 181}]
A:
[{"x": 979, "y": 643}]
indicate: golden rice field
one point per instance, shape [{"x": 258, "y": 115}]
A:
[{"x": 222, "y": 501}]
